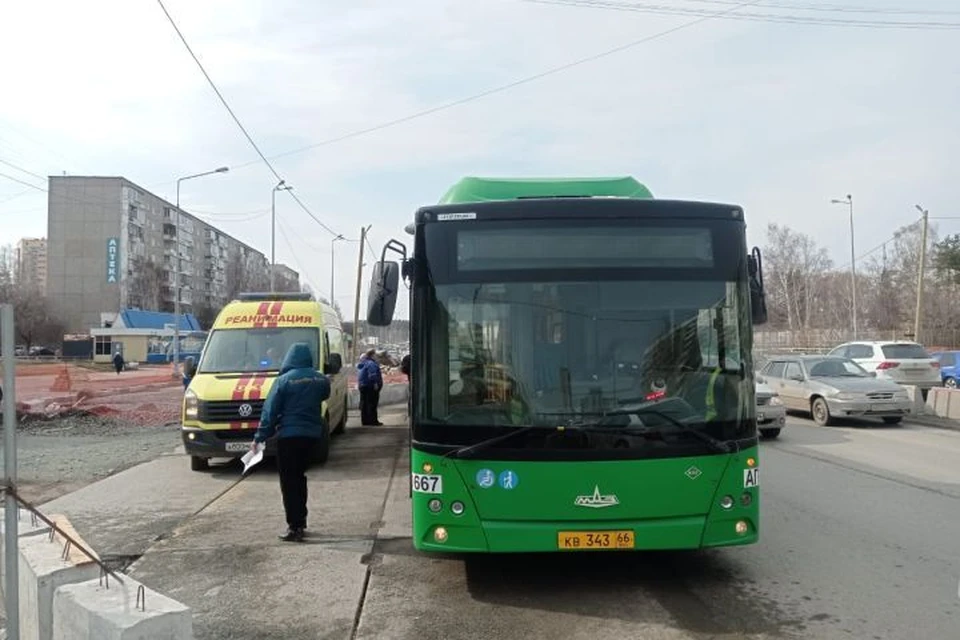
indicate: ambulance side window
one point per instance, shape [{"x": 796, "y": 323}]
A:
[{"x": 326, "y": 348}]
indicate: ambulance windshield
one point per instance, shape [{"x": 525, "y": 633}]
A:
[{"x": 250, "y": 350}]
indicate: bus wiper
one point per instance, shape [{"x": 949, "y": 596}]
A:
[
  {"x": 483, "y": 444},
  {"x": 718, "y": 445}
]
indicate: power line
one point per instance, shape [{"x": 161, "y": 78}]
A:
[
  {"x": 670, "y": 10},
  {"x": 510, "y": 85},
  {"x": 837, "y": 8},
  {"x": 881, "y": 245},
  {"x": 293, "y": 254},
  {"x": 233, "y": 115},
  {"x": 16, "y": 195},
  {"x": 19, "y": 181},
  {"x": 19, "y": 168}
]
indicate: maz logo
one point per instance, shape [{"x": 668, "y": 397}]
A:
[{"x": 597, "y": 501}]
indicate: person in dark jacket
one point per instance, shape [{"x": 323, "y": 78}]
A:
[
  {"x": 370, "y": 382},
  {"x": 189, "y": 370},
  {"x": 292, "y": 411},
  {"x": 118, "y": 362}
]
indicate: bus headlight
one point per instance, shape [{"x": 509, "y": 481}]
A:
[
  {"x": 435, "y": 505},
  {"x": 726, "y": 502},
  {"x": 746, "y": 499},
  {"x": 440, "y": 534},
  {"x": 741, "y": 527},
  {"x": 191, "y": 405},
  {"x": 457, "y": 508}
]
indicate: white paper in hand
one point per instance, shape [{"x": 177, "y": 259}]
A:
[{"x": 251, "y": 458}]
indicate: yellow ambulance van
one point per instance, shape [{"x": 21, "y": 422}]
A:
[{"x": 240, "y": 360}]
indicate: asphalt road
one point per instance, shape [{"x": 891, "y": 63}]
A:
[{"x": 860, "y": 539}]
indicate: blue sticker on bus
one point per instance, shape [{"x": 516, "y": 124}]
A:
[
  {"x": 486, "y": 478},
  {"x": 508, "y": 479}
]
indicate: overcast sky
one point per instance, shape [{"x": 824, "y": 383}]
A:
[{"x": 779, "y": 118}]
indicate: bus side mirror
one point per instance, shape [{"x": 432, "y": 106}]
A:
[
  {"x": 382, "y": 300},
  {"x": 334, "y": 364},
  {"x": 758, "y": 297}
]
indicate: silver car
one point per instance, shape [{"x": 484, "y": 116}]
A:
[
  {"x": 771, "y": 416},
  {"x": 830, "y": 387}
]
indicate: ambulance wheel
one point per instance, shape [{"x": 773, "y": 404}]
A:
[
  {"x": 342, "y": 425},
  {"x": 199, "y": 464},
  {"x": 321, "y": 451}
]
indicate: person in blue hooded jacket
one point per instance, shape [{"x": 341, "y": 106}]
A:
[
  {"x": 369, "y": 382},
  {"x": 292, "y": 411}
]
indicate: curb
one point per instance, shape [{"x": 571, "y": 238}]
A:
[{"x": 935, "y": 422}]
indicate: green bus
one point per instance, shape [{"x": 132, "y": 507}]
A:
[{"x": 580, "y": 367}]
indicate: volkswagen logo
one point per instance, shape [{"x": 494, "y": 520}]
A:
[{"x": 245, "y": 410}]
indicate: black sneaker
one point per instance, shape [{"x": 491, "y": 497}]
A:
[{"x": 292, "y": 535}]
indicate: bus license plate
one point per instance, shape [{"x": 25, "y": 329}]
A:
[{"x": 575, "y": 540}]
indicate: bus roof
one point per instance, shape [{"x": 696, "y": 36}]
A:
[{"x": 473, "y": 189}]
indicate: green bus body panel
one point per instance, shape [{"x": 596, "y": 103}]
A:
[
  {"x": 473, "y": 189},
  {"x": 669, "y": 503}
]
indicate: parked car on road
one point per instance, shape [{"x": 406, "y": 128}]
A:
[
  {"x": 831, "y": 387},
  {"x": 902, "y": 362},
  {"x": 949, "y": 369},
  {"x": 771, "y": 415}
]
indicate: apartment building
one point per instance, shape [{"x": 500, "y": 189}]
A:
[
  {"x": 30, "y": 269},
  {"x": 113, "y": 245}
]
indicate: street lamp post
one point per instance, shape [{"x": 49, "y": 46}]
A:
[
  {"x": 332, "y": 244},
  {"x": 281, "y": 186},
  {"x": 853, "y": 261},
  {"x": 176, "y": 265},
  {"x": 920, "y": 269}
]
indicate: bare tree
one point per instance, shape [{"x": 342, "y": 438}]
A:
[
  {"x": 245, "y": 274},
  {"x": 34, "y": 321},
  {"x": 146, "y": 285},
  {"x": 796, "y": 264}
]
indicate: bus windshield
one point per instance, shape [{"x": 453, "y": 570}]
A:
[
  {"x": 250, "y": 350},
  {"x": 554, "y": 353}
]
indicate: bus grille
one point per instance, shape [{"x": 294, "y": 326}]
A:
[{"x": 229, "y": 411}]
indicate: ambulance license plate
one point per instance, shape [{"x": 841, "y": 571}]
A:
[{"x": 237, "y": 447}]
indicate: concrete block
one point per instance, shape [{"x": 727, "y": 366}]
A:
[
  {"x": 25, "y": 528},
  {"x": 89, "y": 610},
  {"x": 43, "y": 569},
  {"x": 916, "y": 396},
  {"x": 937, "y": 401},
  {"x": 390, "y": 394}
]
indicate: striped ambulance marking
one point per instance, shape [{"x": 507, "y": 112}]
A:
[
  {"x": 261, "y": 311},
  {"x": 257, "y": 387},
  {"x": 238, "y": 392},
  {"x": 274, "y": 313}
]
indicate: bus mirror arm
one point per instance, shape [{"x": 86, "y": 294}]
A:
[{"x": 758, "y": 297}]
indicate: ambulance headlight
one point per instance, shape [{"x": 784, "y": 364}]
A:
[{"x": 191, "y": 405}]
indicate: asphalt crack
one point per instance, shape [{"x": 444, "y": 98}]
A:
[{"x": 370, "y": 559}]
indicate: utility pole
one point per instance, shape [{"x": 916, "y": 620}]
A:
[
  {"x": 356, "y": 303},
  {"x": 920, "y": 270}
]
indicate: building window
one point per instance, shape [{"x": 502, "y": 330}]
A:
[{"x": 102, "y": 346}]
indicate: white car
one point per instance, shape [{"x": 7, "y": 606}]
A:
[
  {"x": 903, "y": 362},
  {"x": 771, "y": 414}
]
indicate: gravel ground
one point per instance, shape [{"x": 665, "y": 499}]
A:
[{"x": 55, "y": 457}]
